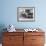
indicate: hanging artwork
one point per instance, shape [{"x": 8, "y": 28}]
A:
[{"x": 25, "y": 14}]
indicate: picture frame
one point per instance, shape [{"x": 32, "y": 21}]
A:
[{"x": 25, "y": 14}]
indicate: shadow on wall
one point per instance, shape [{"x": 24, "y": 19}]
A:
[{"x": 2, "y": 26}]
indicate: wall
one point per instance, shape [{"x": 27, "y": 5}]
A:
[{"x": 8, "y": 13}]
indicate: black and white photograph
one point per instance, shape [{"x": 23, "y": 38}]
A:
[{"x": 26, "y": 14}]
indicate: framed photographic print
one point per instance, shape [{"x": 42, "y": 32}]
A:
[{"x": 25, "y": 14}]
